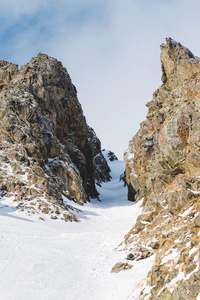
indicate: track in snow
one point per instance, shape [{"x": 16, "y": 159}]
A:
[{"x": 57, "y": 260}]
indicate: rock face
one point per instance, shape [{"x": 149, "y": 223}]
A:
[
  {"x": 163, "y": 168},
  {"x": 47, "y": 150},
  {"x": 102, "y": 170}
]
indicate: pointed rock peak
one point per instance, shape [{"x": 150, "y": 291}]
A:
[
  {"x": 163, "y": 169},
  {"x": 7, "y": 72},
  {"x": 43, "y": 63},
  {"x": 44, "y": 137},
  {"x": 176, "y": 50},
  {"x": 178, "y": 63},
  {"x": 111, "y": 155},
  {"x": 5, "y": 64},
  {"x": 43, "y": 55}
]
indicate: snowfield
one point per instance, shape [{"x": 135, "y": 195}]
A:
[{"x": 51, "y": 259}]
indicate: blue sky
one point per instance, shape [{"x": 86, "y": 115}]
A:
[{"x": 110, "y": 48}]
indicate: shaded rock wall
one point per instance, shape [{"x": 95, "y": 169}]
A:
[
  {"x": 163, "y": 169},
  {"x": 44, "y": 137},
  {"x": 101, "y": 168}
]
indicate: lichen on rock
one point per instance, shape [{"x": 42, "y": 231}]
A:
[
  {"x": 46, "y": 150},
  {"x": 163, "y": 168}
]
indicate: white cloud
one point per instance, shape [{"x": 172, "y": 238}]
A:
[
  {"x": 110, "y": 48},
  {"x": 16, "y": 8}
]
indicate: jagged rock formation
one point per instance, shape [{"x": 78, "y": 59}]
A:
[
  {"x": 163, "y": 168},
  {"x": 111, "y": 155},
  {"x": 102, "y": 170},
  {"x": 47, "y": 150}
]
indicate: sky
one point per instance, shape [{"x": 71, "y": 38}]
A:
[{"x": 111, "y": 49}]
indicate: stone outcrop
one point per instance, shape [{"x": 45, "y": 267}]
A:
[
  {"x": 163, "y": 169},
  {"x": 101, "y": 168},
  {"x": 48, "y": 154}
]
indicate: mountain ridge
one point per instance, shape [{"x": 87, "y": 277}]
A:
[
  {"x": 45, "y": 140},
  {"x": 162, "y": 168}
]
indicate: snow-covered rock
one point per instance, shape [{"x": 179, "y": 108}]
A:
[
  {"x": 46, "y": 149},
  {"x": 57, "y": 260},
  {"x": 163, "y": 168}
]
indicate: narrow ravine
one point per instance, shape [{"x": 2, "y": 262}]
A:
[{"x": 52, "y": 259}]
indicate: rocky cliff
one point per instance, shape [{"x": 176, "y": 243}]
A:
[
  {"x": 163, "y": 169},
  {"x": 48, "y": 153}
]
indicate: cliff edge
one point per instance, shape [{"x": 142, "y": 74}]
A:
[
  {"x": 48, "y": 153},
  {"x": 163, "y": 169}
]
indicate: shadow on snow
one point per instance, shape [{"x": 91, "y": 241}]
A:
[{"x": 7, "y": 210}]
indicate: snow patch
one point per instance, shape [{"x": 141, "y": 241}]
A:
[
  {"x": 171, "y": 255},
  {"x": 140, "y": 271},
  {"x": 183, "y": 215},
  {"x": 50, "y": 259}
]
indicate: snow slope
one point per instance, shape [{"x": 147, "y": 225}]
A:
[{"x": 52, "y": 259}]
